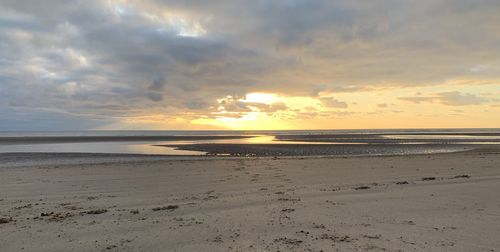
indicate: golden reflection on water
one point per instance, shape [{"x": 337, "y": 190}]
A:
[
  {"x": 160, "y": 147},
  {"x": 151, "y": 149},
  {"x": 265, "y": 139}
]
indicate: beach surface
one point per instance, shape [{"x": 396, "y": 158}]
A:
[{"x": 439, "y": 202}]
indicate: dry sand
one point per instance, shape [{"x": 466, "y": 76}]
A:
[{"x": 443, "y": 202}]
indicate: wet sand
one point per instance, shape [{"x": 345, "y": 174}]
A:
[
  {"x": 323, "y": 149},
  {"x": 398, "y": 138},
  {"x": 441, "y": 202},
  {"x": 378, "y": 140}
]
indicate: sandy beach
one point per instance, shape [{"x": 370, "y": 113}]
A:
[{"x": 441, "y": 202}]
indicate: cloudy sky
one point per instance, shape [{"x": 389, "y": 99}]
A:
[{"x": 260, "y": 64}]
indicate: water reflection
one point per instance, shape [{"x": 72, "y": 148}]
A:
[
  {"x": 136, "y": 147},
  {"x": 164, "y": 147},
  {"x": 443, "y": 137},
  {"x": 100, "y": 147}
]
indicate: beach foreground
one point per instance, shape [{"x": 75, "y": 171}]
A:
[{"x": 441, "y": 202}]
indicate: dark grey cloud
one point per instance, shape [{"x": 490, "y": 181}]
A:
[
  {"x": 155, "y": 96},
  {"x": 158, "y": 83},
  {"x": 46, "y": 120}
]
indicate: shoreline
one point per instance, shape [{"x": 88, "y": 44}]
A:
[{"x": 41, "y": 159}]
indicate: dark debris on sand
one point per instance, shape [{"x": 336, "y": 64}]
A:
[
  {"x": 428, "y": 178},
  {"x": 289, "y": 199},
  {"x": 56, "y": 216},
  {"x": 289, "y": 241},
  {"x": 372, "y": 236},
  {"x": 321, "y": 226},
  {"x": 169, "y": 207},
  {"x": 336, "y": 238},
  {"x": 5, "y": 220},
  {"x": 362, "y": 188},
  {"x": 97, "y": 211}
]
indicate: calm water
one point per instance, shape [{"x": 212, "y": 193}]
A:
[
  {"x": 403, "y": 136},
  {"x": 129, "y": 147},
  {"x": 236, "y": 132}
]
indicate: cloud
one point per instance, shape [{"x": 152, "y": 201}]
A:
[
  {"x": 45, "y": 120},
  {"x": 268, "y": 108},
  {"x": 453, "y": 98},
  {"x": 333, "y": 103},
  {"x": 179, "y": 57},
  {"x": 237, "y": 105},
  {"x": 459, "y": 99},
  {"x": 418, "y": 99},
  {"x": 157, "y": 84},
  {"x": 155, "y": 96}
]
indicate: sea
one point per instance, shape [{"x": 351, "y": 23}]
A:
[{"x": 447, "y": 139}]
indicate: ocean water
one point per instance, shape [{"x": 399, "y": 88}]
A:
[
  {"x": 446, "y": 139},
  {"x": 241, "y": 132}
]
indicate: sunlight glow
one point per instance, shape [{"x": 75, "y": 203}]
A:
[
  {"x": 264, "y": 98},
  {"x": 260, "y": 110},
  {"x": 249, "y": 121}
]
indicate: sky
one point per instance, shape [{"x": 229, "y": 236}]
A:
[{"x": 249, "y": 65}]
